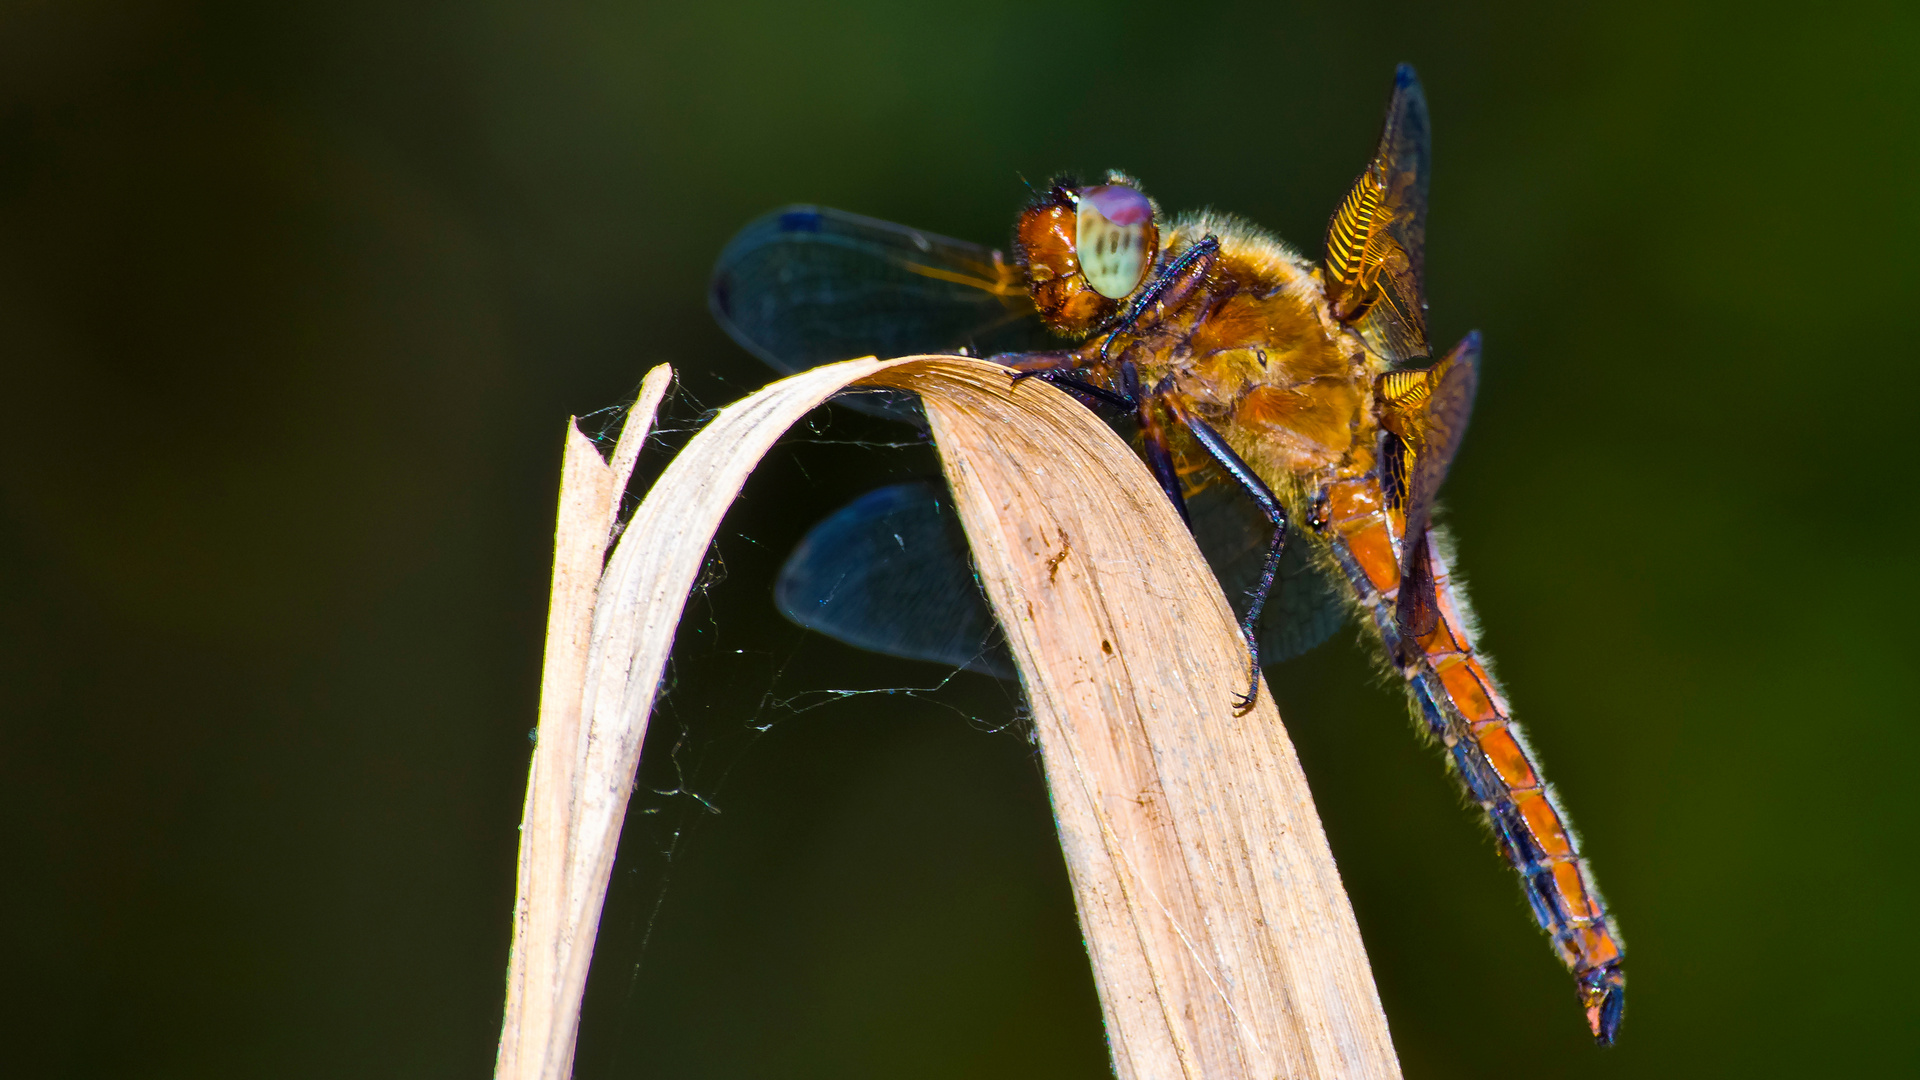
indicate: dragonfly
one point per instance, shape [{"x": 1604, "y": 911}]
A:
[{"x": 1290, "y": 408}]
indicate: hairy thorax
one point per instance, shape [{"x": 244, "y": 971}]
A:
[{"x": 1254, "y": 351}]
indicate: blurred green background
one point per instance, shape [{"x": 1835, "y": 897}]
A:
[{"x": 296, "y": 297}]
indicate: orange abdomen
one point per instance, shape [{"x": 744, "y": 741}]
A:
[{"x": 1460, "y": 705}]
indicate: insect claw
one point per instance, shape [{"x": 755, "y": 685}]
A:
[{"x": 1243, "y": 703}]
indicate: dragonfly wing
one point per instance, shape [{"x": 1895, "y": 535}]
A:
[
  {"x": 808, "y": 285},
  {"x": 1304, "y": 611},
  {"x": 889, "y": 572},
  {"x": 1426, "y": 414},
  {"x": 1376, "y": 242}
]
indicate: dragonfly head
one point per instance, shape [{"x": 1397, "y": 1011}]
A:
[{"x": 1086, "y": 249}]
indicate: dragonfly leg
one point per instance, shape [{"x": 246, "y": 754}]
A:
[
  {"x": 1169, "y": 287},
  {"x": 1270, "y": 505},
  {"x": 1101, "y": 394},
  {"x": 1026, "y": 365},
  {"x": 1062, "y": 369},
  {"x": 1159, "y": 452}
]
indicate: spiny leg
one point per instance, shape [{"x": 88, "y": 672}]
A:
[
  {"x": 1154, "y": 431},
  {"x": 1062, "y": 369},
  {"x": 1065, "y": 380},
  {"x": 1026, "y": 365},
  {"x": 1170, "y": 285},
  {"x": 1153, "y": 428},
  {"x": 1270, "y": 505}
]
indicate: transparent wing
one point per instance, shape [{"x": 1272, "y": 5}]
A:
[
  {"x": 1376, "y": 243},
  {"x": 807, "y": 285},
  {"x": 889, "y": 572}
]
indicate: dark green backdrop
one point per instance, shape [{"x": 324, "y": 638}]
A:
[{"x": 295, "y": 298}]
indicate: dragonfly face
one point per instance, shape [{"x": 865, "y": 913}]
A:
[
  {"x": 1084, "y": 250},
  {"x": 1228, "y": 357}
]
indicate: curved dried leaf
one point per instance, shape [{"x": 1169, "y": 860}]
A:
[{"x": 1222, "y": 942}]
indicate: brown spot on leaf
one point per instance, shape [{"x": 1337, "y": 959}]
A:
[{"x": 1053, "y": 564}]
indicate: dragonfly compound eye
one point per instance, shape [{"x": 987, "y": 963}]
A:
[{"x": 1110, "y": 237}]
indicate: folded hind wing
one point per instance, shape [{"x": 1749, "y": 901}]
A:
[
  {"x": 1425, "y": 413},
  {"x": 890, "y": 573},
  {"x": 1376, "y": 242}
]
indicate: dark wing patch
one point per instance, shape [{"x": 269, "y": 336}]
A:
[
  {"x": 889, "y": 572},
  {"x": 807, "y": 285},
  {"x": 1376, "y": 242},
  {"x": 1425, "y": 414}
]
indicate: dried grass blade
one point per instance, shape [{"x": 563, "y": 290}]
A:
[
  {"x": 1222, "y": 943},
  {"x": 590, "y": 491},
  {"x": 642, "y": 594}
]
